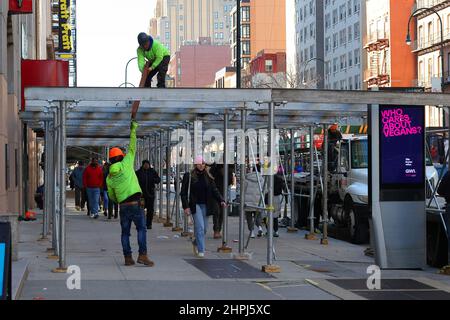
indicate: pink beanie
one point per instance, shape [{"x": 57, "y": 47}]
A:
[{"x": 199, "y": 160}]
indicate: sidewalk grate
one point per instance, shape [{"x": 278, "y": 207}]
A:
[
  {"x": 227, "y": 269},
  {"x": 392, "y": 289}
]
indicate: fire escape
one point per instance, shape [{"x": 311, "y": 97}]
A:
[{"x": 377, "y": 74}]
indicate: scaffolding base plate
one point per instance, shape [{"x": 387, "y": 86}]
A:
[
  {"x": 50, "y": 250},
  {"x": 168, "y": 224},
  {"x": 324, "y": 242},
  {"x": 186, "y": 234},
  {"x": 42, "y": 239},
  {"x": 445, "y": 270},
  {"x": 52, "y": 257},
  {"x": 271, "y": 268},
  {"x": 59, "y": 270},
  {"x": 310, "y": 236},
  {"x": 243, "y": 256},
  {"x": 224, "y": 249},
  {"x": 291, "y": 230},
  {"x": 177, "y": 229}
]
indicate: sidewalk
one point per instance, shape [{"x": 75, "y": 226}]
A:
[{"x": 94, "y": 246}]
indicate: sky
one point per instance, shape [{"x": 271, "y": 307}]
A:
[{"x": 107, "y": 38}]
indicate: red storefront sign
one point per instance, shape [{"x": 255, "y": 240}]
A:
[
  {"x": 44, "y": 73},
  {"x": 20, "y": 6}
]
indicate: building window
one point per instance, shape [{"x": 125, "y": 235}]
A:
[
  {"x": 6, "y": 167},
  {"x": 221, "y": 35},
  {"x": 246, "y": 47},
  {"x": 269, "y": 66},
  {"x": 357, "y": 82},
  {"x": 356, "y": 5},
  {"x": 16, "y": 155},
  {"x": 335, "y": 85},
  {"x": 350, "y": 83},
  {"x": 349, "y": 7},
  {"x": 311, "y": 30},
  {"x": 335, "y": 65},
  {"x": 245, "y": 14},
  {"x": 343, "y": 84},
  {"x": 167, "y": 24},
  {"x": 430, "y": 32},
  {"x": 342, "y": 13},
  {"x": 356, "y": 30},
  {"x": 342, "y": 37},
  {"x": 311, "y": 8},
  {"x": 216, "y": 15},
  {"x": 167, "y": 35},
  {"x": 221, "y": 25},
  {"x": 350, "y": 60},
  {"x": 335, "y": 16},
  {"x": 181, "y": 17},
  {"x": 327, "y": 21},
  {"x": 350, "y": 34},
  {"x": 246, "y": 31},
  {"x": 343, "y": 62},
  {"x": 327, "y": 44},
  {"x": 311, "y": 51},
  {"x": 357, "y": 57},
  {"x": 335, "y": 40},
  {"x": 216, "y": 25}
]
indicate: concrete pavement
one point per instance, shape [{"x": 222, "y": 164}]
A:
[{"x": 94, "y": 246}]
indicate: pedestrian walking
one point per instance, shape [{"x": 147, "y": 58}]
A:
[
  {"x": 153, "y": 59},
  {"x": 93, "y": 182},
  {"x": 254, "y": 189},
  {"x": 217, "y": 172},
  {"x": 123, "y": 188},
  {"x": 198, "y": 193},
  {"x": 104, "y": 192},
  {"x": 77, "y": 178},
  {"x": 148, "y": 178},
  {"x": 278, "y": 188}
]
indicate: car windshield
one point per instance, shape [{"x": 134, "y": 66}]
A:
[{"x": 360, "y": 159}]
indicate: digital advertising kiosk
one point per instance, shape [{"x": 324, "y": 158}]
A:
[
  {"x": 397, "y": 185},
  {"x": 5, "y": 261}
]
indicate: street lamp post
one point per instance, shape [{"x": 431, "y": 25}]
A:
[
  {"x": 126, "y": 70},
  {"x": 305, "y": 64}
]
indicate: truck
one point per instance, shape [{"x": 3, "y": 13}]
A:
[{"x": 348, "y": 186}]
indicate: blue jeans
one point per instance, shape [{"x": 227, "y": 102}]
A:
[
  {"x": 93, "y": 197},
  {"x": 200, "y": 226},
  {"x": 105, "y": 200},
  {"x": 128, "y": 214}
]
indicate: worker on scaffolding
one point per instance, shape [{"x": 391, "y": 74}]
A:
[
  {"x": 123, "y": 188},
  {"x": 153, "y": 58}
]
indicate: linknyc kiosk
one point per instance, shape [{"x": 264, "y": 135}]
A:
[
  {"x": 5, "y": 261},
  {"x": 397, "y": 185}
]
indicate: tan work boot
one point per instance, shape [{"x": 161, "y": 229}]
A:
[
  {"x": 143, "y": 259},
  {"x": 129, "y": 261}
]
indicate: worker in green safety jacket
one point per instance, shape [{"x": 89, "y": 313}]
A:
[
  {"x": 153, "y": 58},
  {"x": 124, "y": 189}
]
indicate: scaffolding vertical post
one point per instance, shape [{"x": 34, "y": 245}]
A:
[
  {"x": 270, "y": 267},
  {"x": 168, "y": 155},
  {"x": 324, "y": 239},
  {"x": 311, "y": 235},
  {"x": 45, "y": 214},
  {"x": 242, "y": 180},
  {"x": 292, "y": 227},
  {"x": 50, "y": 185},
  {"x": 55, "y": 170},
  {"x": 225, "y": 248},
  {"x": 176, "y": 182},
  {"x": 161, "y": 185},
  {"x": 62, "y": 188},
  {"x": 185, "y": 232}
]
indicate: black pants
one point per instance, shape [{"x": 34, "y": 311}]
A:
[
  {"x": 112, "y": 205},
  {"x": 80, "y": 197},
  {"x": 218, "y": 220},
  {"x": 87, "y": 201},
  {"x": 161, "y": 70},
  {"x": 150, "y": 207}
]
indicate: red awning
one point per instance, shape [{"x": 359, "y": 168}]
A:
[
  {"x": 20, "y": 6},
  {"x": 44, "y": 73}
]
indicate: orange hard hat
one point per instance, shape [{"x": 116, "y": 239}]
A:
[{"x": 115, "y": 152}]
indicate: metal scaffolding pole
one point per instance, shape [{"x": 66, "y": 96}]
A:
[
  {"x": 161, "y": 136},
  {"x": 50, "y": 186},
  {"x": 176, "y": 181},
  {"x": 62, "y": 188},
  {"x": 168, "y": 154},
  {"x": 225, "y": 248},
  {"x": 292, "y": 228},
  {"x": 270, "y": 267},
  {"x": 242, "y": 150},
  {"x": 46, "y": 213},
  {"x": 55, "y": 179},
  {"x": 185, "y": 232},
  {"x": 311, "y": 235},
  {"x": 324, "y": 239}
]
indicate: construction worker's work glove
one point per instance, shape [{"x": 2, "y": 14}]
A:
[{"x": 134, "y": 124}]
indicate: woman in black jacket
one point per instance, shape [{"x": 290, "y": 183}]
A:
[{"x": 198, "y": 193}]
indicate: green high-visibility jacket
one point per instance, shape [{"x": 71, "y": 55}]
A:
[
  {"x": 122, "y": 180},
  {"x": 156, "y": 53}
]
